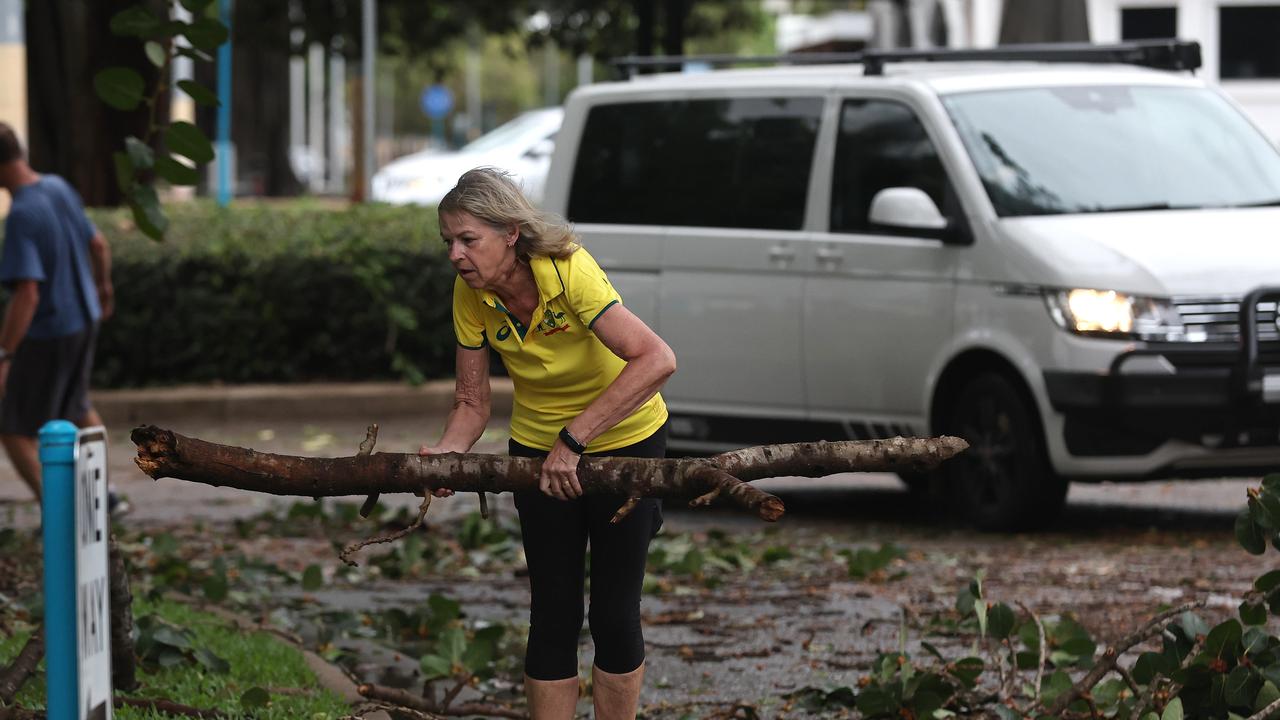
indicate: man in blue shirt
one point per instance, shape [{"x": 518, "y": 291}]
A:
[{"x": 57, "y": 268}]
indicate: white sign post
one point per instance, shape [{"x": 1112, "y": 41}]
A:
[
  {"x": 76, "y": 575},
  {"x": 93, "y": 607}
]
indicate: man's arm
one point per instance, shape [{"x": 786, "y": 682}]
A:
[
  {"x": 18, "y": 314},
  {"x": 100, "y": 255}
]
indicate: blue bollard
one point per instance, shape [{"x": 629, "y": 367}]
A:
[{"x": 58, "y": 508}]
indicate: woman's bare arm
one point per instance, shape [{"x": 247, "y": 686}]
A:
[{"x": 470, "y": 413}]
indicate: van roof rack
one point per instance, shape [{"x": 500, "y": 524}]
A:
[
  {"x": 631, "y": 63},
  {"x": 1161, "y": 54},
  {"x": 1169, "y": 54}
]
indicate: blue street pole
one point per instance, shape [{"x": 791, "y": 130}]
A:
[
  {"x": 58, "y": 508},
  {"x": 224, "y": 108}
]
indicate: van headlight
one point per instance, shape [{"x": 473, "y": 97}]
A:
[{"x": 1107, "y": 313}]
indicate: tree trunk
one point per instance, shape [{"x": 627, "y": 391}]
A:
[
  {"x": 123, "y": 662},
  {"x": 260, "y": 98},
  {"x": 164, "y": 453},
  {"x": 645, "y": 20},
  {"x": 675, "y": 13},
  {"x": 72, "y": 132}
]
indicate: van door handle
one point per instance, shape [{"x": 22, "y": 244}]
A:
[
  {"x": 782, "y": 253},
  {"x": 832, "y": 256}
]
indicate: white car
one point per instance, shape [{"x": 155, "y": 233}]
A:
[
  {"x": 1073, "y": 265},
  {"x": 522, "y": 146}
]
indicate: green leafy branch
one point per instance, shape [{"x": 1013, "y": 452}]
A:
[
  {"x": 460, "y": 653},
  {"x": 1052, "y": 668},
  {"x": 123, "y": 88}
]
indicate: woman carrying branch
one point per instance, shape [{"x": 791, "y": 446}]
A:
[{"x": 586, "y": 373}]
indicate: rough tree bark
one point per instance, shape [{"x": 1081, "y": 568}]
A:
[
  {"x": 123, "y": 663},
  {"x": 164, "y": 453}
]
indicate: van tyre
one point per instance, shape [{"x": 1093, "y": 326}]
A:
[{"x": 1004, "y": 480}]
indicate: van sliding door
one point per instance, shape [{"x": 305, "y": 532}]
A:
[{"x": 725, "y": 181}]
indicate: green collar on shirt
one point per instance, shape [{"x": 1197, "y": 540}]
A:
[{"x": 546, "y": 275}]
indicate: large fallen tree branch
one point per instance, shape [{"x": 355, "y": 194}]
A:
[{"x": 164, "y": 453}]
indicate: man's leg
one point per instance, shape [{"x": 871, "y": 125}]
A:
[
  {"x": 90, "y": 419},
  {"x": 24, "y": 453}
]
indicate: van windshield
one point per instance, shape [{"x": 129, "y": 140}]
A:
[{"x": 1044, "y": 151}]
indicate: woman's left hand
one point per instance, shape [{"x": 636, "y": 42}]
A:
[{"x": 560, "y": 473}]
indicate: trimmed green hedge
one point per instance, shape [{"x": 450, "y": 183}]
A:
[{"x": 295, "y": 291}]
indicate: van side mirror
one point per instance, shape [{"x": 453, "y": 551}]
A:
[
  {"x": 541, "y": 149},
  {"x": 910, "y": 211},
  {"x": 906, "y": 208}
]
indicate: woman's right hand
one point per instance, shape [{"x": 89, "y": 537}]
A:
[{"x": 427, "y": 450}]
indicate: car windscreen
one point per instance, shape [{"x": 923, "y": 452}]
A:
[
  {"x": 510, "y": 132},
  {"x": 1043, "y": 151}
]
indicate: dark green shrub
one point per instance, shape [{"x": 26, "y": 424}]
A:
[{"x": 295, "y": 291}]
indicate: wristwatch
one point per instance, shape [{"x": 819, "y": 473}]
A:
[{"x": 571, "y": 442}]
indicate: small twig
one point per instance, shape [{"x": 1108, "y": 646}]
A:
[
  {"x": 625, "y": 510},
  {"x": 1044, "y": 651},
  {"x": 1191, "y": 654},
  {"x": 1107, "y": 661},
  {"x": 743, "y": 494},
  {"x": 409, "y": 700},
  {"x": 705, "y": 499},
  {"x": 366, "y": 448},
  {"x": 1266, "y": 712},
  {"x": 1001, "y": 681},
  {"x": 484, "y": 505},
  {"x": 1128, "y": 680},
  {"x": 453, "y": 693},
  {"x": 1147, "y": 695},
  {"x": 1174, "y": 687},
  {"x": 12, "y": 678},
  {"x": 396, "y": 711},
  {"x": 154, "y": 100},
  {"x": 351, "y": 549},
  {"x": 1093, "y": 707},
  {"x": 17, "y": 713}
]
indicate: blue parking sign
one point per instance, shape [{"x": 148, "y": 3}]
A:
[{"x": 437, "y": 101}]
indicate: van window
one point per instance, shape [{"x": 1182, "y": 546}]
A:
[
  {"x": 881, "y": 145},
  {"x": 737, "y": 163}
]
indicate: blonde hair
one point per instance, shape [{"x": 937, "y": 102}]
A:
[{"x": 492, "y": 196}]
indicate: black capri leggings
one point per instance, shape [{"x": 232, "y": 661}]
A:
[{"x": 555, "y": 534}]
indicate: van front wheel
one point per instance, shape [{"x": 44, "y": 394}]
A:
[{"x": 1003, "y": 481}]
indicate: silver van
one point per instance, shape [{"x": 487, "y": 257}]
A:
[{"x": 1070, "y": 257}]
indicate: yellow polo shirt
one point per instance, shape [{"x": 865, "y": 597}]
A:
[{"x": 558, "y": 367}]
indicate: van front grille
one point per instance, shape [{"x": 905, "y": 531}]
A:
[{"x": 1218, "y": 319}]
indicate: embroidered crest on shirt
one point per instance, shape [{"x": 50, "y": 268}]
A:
[{"x": 552, "y": 323}]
